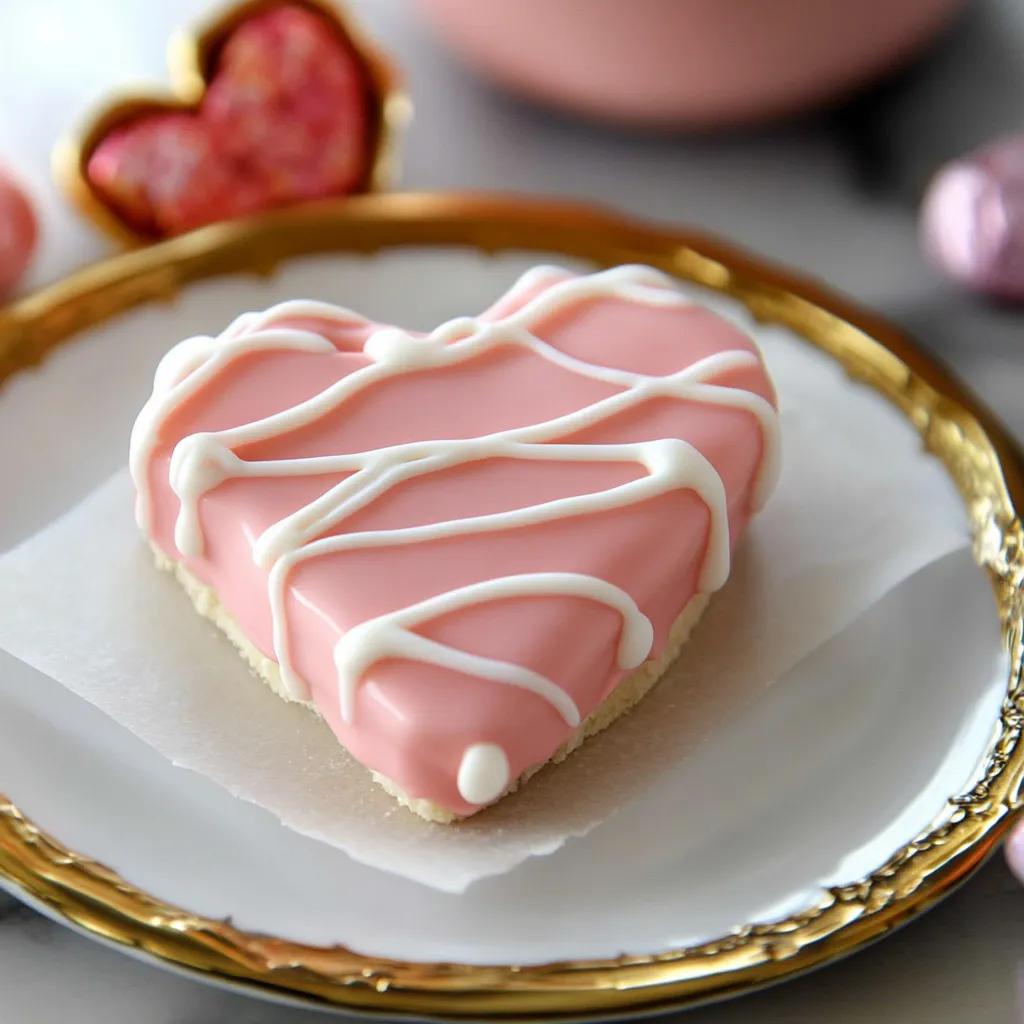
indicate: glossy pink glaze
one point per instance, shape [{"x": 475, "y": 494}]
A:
[{"x": 413, "y": 721}]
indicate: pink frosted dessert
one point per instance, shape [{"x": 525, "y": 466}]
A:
[{"x": 467, "y": 550}]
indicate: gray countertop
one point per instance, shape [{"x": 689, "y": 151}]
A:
[{"x": 833, "y": 194}]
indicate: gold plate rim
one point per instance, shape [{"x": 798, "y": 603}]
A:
[{"x": 977, "y": 451}]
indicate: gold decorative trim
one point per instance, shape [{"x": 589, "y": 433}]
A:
[
  {"x": 191, "y": 55},
  {"x": 977, "y": 452}
]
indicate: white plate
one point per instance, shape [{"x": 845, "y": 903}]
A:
[{"x": 843, "y": 761}]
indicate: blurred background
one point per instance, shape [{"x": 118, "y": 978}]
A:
[
  {"x": 833, "y": 188},
  {"x": 805, "y": 130}
]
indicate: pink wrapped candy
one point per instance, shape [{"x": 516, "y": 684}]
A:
[
  {"x": 18, "y": 232},
  {"x": 972, "y": 220},
  {"x": 285, "y": 118}
]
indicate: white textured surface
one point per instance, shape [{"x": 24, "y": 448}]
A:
[{"x": 789, "y": 194}]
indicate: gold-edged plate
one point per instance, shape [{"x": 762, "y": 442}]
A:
[{"x": 977, "y": 453}]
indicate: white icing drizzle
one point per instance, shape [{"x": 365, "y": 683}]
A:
[
  {"x": 201, "y": 461},
  {"x": 671, "y": 464},
  {"x": 181, "y": 373},
  {"x": 391, "y": 636}
]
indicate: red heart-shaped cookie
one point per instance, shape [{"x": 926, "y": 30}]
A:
[
  {"x": 277, "y": 103},
  {"x": 468, "y": 549}
]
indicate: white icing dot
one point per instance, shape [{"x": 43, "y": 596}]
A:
[
  {"x": 483, "y": 774},
  {"x": 397, "y": 347},
  {"x": 636, "y": 641}
]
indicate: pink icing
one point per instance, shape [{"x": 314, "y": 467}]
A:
[{"x": 413, "y": 721}]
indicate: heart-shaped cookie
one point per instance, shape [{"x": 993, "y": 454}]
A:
[
  {"x": 274, "y": 103},
  {"x": 469, "y": 549}
]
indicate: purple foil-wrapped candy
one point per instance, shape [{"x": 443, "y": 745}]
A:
[
  {"x": 972, "y": 219},
  {"x": 1015, "y": 851}
]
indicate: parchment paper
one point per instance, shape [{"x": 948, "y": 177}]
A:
[{"x": 859, "y": 509}]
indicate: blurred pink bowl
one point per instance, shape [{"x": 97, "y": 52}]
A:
[{"x": 686, "y": 63}]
